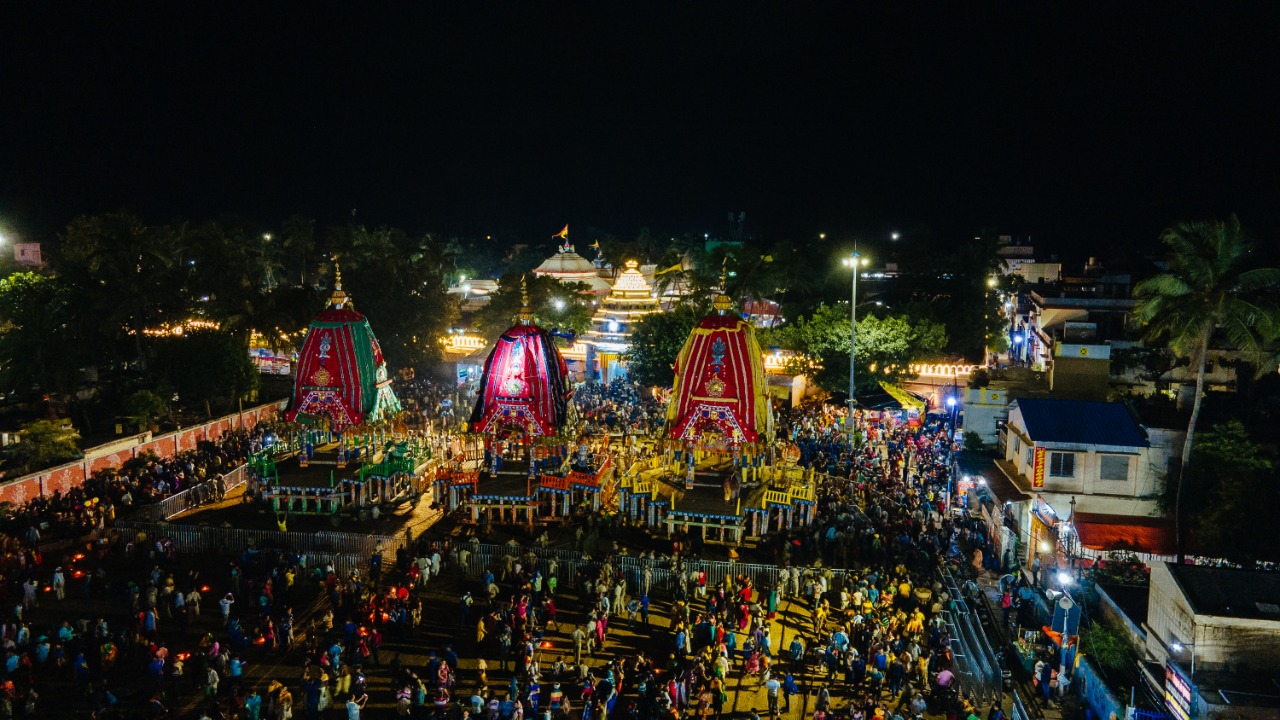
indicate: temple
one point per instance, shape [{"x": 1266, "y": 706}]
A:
[
  {"x": 342, "y": 378},
  {"x": 612, "y": 324},
  {"x": 568, "y": 266}
]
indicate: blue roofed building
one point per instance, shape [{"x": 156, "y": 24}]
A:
[{"x": 1090, "y": 476}]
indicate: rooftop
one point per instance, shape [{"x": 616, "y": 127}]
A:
[
  {"x": 1079, "y": 422},
  {"x": 1226, "y": 592}
]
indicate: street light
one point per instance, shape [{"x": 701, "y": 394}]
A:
[
  {"x": 1178, "y": 647},
  {"x": 854, "y": 261},
  {"x": 894, "y": 236}
]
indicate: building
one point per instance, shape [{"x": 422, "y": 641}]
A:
[
  {"x": 28, "y": 254},
  {"x": 630, "y": 299},
  {"x": 1215, "y": 634},
  {"x": 1071, "y": 458},
  {"x": 1080, "y": 371},
  {"x": 568, "y": 266}
]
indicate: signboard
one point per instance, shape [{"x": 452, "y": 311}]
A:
[
  {"x": 1037, "y": 474},
  {"x": 1178, "y": 695},
  {"x": 1066, "y": 617}
]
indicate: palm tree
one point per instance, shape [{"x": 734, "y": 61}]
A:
[{"x": 1209, "y": 287}]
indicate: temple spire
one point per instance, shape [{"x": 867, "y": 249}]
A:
[
  {"x": 721, "y": 302},
  {"x": 526, "y": 312},
  {"x": 338, "y": 299}
]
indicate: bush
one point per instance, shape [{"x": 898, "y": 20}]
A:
[{"x": 973, "y": 442}]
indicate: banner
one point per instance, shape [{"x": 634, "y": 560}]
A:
[{"x": 1037, "y": 475}]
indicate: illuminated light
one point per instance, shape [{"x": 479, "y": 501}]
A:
[
  {"x": 78, "y": 556},
  {"x": 1064, "y": 578},
  {"x": 558, "y": 303},
  {"x": 982, "y": 481},
  {"x": 613, "y": 326},
  {"x": 204, "y": 589},
  {"x": 951, "y": 402},
  {"x": 991, "y": 282},
  {"x": 1044, "y": 547}
]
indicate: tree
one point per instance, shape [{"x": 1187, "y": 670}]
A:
[
  {"x": 886, "y": 347},
  {"x": 207, "y": 366},
  {"x": 560, "y": 307},
  {"x": 124, "y": 270},
  {"x": 45, "y": 443},
  {"x": 1209, "y": 288},
  {"x": 399, "y": 281},
  {"x": 655, "y": 342},
  {"x": 1109, "y": 646},
  {"x": 37, "y": 344},
  {"x": 1231, "y": 475},
  {"x": 146, "y": 407}
]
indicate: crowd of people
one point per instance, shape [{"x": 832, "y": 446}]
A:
[
  {"x": 63, "y": 545},
  {"x": 871, "y": 642},
  {"x": 861, "y": 631}
]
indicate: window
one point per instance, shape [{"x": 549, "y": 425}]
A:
[
  {"x": 1016, "y": 445},
  {"x": 1030, "y": 455},
  {"x": 1062, "y": 464},
  {"x": 1114, "y": 467}
]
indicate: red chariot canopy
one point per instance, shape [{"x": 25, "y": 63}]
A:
[
  {"x": 720, "y": 384},
  {"x": 342, "y": 377},
  {"x": 524, "y": 385}
]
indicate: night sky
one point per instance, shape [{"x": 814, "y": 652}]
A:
[{"x": 1086, "y": 129}]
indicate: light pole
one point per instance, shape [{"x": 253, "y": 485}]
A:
[
  {"x": 1178, "y": 647},
  {"x": 854, "y": 261}
]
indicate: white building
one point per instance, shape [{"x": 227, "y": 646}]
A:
[{"x": 1091, "y": 459}]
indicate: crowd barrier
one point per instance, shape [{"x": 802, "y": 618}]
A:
[
  {"x": 204, "y": 539},
  {"x": 663, "y": 577},
  {"x": 193, "y": 497}
]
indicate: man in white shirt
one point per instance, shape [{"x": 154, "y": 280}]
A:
[{"x": 354, "y": 704}]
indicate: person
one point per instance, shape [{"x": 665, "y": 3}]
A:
[
  {"x": 772, "y": 686},
  {"x": 225, "y": 604},
  {"x": 1047, "y": 677},
  {"x": 789, "y": 687},
  {"x": 354, "y": 705}
]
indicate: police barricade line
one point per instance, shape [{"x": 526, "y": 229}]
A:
[{"x": 190, "y": 538}]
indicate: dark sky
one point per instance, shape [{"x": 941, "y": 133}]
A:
[{"x": 1086, "y": 128}]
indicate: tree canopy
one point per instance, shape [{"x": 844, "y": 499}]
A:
[
  {"x": 1232, "y": 475},
  {"x": 1210, "y": 287},
  {"x": 44, "y": 443},
  {"x": 886, "y": 346},
  {"x": 655, "y": 342},
  {"x": 560, "y": 307}
]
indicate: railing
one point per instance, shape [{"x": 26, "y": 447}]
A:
[
  {"x": 1019, "y": 710},
  {"x": 976, "y": 663},
  {"x": 664, "y": 578},
  {"x": 206, "y": 492},
  {"x": 778, "y": 497},
  {"x": 201, "y": 539}
]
